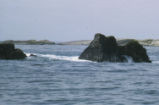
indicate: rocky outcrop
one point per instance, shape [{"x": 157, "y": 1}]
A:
[
  {"x": 136, "y": 51},
  {"x": 8, "y": 51},
  {"x": 106, "y": 49},
  {"x": 123, "y": 42}
]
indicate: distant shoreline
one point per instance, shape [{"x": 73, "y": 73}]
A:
[
  {"x": 146, "y": 42},
  {"x": 29, "y": 42}
]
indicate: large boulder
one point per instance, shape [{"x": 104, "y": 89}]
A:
[
  {"x": 8, "y": 51},
  {"x": 136, "y": 51},
  {"x": 106, "y": 49}
]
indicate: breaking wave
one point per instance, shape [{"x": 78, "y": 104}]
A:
[
  {"x": 74, "y": 58},
  {"x": 68, "y": 58},
  {"x": 57, "y": 57},
  {"x": 129, "y": 59},
  {"x": 156, "y": 62}
]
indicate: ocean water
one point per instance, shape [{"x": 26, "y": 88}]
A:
[{"x": 57, "y": 77}]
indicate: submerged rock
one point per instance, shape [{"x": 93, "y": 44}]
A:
[
  {"x": 8, "y": 51},
  {"x": 106, "y": 49},
  {"x": 33, "y": 55}
]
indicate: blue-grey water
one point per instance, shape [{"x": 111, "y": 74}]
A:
[{"x": 57, "y": 77}]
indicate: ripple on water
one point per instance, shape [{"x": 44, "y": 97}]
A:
[{"x": 57, "y": 76}]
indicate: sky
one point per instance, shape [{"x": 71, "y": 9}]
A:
[{"x": 67, "y": 20}]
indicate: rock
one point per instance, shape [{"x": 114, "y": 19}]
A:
[
  {"x": 8, "y": 51},
  {"x": 102, "y": 49},
  {"x": 106, "y": 49},
  {"x": 136, "y": 51},
  {"x": 33, "y": 55},
  {"x": 123, "y": 42}
]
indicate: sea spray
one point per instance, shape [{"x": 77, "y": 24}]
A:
[
  {"x": 58, "y": 57},
  {"x": 69, "y": 58}
]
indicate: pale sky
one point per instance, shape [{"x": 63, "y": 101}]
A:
[{"x": 66, "y": 20}]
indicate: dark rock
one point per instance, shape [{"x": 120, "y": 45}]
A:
[
  {"x": 33, "y": 55},
  {"x": 8, "y": 51},
  {"x": 106, "y": 49},
  {"x": 102, "y": 49},
  {"x": 136, "y": 51},
  {"x": 124, "y": 42}
]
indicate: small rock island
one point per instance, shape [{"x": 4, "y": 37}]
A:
[
  {"x": 8, "y": 51},
  {"x": 104, "y": 48}
]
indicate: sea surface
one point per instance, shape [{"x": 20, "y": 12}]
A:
[{"x": 57, "y": 77}]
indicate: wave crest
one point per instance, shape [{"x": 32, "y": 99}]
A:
[{"x": 57, "y": 57}]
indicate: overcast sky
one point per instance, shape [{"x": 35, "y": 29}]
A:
[{"x": 66, "y": 20}]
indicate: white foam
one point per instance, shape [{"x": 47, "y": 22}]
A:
[
  {"x": 155, "y": 62},
  {"x": 129, "y": 59},
  {"x": 72, "y": 58},
  {"x": 27, "y": 54},
  {"x": 57, "y": 57},
  {"x": 68, "y": 58}
]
